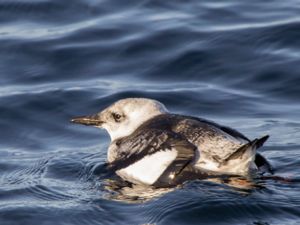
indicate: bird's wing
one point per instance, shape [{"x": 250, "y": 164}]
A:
[
  {"x": 230, "y": 131},
  {"x": 213, "y": 142},
  {"x": 218, "y": 144},
  {"x": 152, "y": 156}
]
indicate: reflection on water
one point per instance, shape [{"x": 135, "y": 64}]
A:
[
  {"x": 119, "y": 190},
  {"x": 132, "y": 193}
]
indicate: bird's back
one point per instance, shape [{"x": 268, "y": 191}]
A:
[
  {"x": 211, "y": 139},
  {"x": 215, "y": 144}
]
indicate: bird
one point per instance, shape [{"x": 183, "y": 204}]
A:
[{"x": 152, "y": 146}]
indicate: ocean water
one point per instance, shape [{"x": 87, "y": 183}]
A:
[{"x": 234, "y": 62}]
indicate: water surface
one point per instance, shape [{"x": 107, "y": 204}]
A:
[{"x": 233, "y": 62}]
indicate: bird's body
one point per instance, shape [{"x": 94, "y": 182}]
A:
[{"x": 154, "y": 147}]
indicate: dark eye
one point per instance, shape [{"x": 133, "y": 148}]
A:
[{"x": 117, "y": 117}]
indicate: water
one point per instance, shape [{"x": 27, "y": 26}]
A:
[{"x": 234, "y": 62}]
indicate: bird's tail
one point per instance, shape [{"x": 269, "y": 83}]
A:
[
  {"x": 251, "y": 146},
  {"x": 260, "y": 142},
  {"x": 241, "y": 160}
]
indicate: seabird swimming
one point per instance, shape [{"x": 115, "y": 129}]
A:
[{"x": 149, "y": 145}]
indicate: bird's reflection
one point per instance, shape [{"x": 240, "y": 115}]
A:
[
  {"x": 119, "y": 190},
  {"x": 132, "y": 193}
]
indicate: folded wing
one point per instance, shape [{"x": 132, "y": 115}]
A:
[{"x": 156, "y": 157}]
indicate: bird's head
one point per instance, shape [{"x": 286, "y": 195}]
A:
[{"x": 124, "y": 116}]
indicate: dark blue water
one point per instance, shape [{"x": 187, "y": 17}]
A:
[{"x": 235, "y": 62}]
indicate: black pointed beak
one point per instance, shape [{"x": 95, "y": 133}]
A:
[{"x": 92, "y": 120}]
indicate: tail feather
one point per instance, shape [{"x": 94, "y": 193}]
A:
[
  {"x": 261, "y": 141},
  {"x": 263, "y": 164},
  {"x": 243, "y": 159},
  {"x": 252, "y": 145}
]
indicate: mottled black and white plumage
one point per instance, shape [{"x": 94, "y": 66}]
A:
[{"x": 151, "y": 146}]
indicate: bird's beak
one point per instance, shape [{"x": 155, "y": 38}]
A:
[{"x": 93, "y": 120}]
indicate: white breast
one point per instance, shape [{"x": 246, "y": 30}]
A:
[{"x": 148, "y": 169}]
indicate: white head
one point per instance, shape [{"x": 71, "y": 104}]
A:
[{"x": 124, "y": 116}]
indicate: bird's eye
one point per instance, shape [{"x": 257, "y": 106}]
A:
[{"x": 116, "y": 117}]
